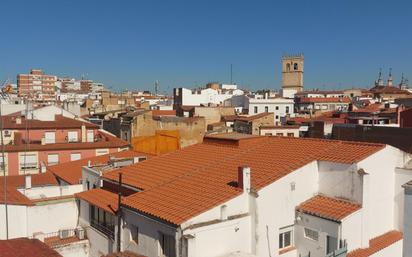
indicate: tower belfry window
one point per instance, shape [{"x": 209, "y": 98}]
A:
[
  {"x": 295, "y": 66},
  {"x": 288, "y": 67}
]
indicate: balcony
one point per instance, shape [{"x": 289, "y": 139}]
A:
[{"x": 106, "y": 229}]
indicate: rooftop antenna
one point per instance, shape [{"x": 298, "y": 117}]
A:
[{"x": 156, "y": 87}]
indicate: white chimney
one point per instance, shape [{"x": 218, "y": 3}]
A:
[
  {"x": 243, "y": 178},
  {"x": 89, "y": 163},
  {"x": 27, "y": 181},
  {"x": 43, "y": 167},
  {"x": 18, "y": 120}
]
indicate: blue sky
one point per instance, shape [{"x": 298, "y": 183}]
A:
[{"x": 130, "y": 44}]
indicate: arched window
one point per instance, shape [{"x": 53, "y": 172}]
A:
[
  {"x": 295, "y": 66},
  {"x": 288, "y": 67}
]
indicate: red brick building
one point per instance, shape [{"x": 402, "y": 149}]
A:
[{"x": 36, "y": 82}]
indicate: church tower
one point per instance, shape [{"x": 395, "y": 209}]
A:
[{"x": 292, "y": 75}]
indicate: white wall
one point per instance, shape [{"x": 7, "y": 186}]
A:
[
  {"x": 76, "y": 249},
  {"x": 340, "y": 180},
  {"x": 352, "y": 230},
  {"x": 52, "y": 217},
  {"x": 276, "y": 206},
  {"x": 17, "y": 221},
  {"x": 272, "y": 104}
]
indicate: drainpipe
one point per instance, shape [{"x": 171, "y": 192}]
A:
[{"x": 119, "y": 212}]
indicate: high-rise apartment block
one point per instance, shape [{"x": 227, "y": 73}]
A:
[{"x": 36, "y": 82}]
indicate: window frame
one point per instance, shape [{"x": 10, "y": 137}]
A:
[
  {"x": 305, "y": 234},
  {"x": 282, "y": 235}
]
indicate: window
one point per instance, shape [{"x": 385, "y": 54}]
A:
[
  {"x": 276, "y": 108},
  {"x": 134, "y": 233},
  {"x": 256, "y": 109},
  {"x": 50, "y": 137},
  {"x": 52, "y": 159},
  {"x": 295, "y": 66},
  {"x": 287, "y": 109},
  {"x": 331, "y": 244},
  {"x": 72, "y": 135},
  {"x": 28, "y": 161},
  {"x": 285, "y": 237},
  {"x": 167, "y": 245},
  {"x": 102, "y": 152},
  {"x": 311, "y": 234},
  {"x": 102, "y": 221},
  {"x": 266, "y": 109},
  {"x": 277, "y": 117},
  {"x": 268, "y": 134},
  {"x": 291, "y": 135},
  {"x": 75, "y": 156},
  {"x": 1, "y": 164},
  {"x": 279, "y": 134},
  {"x": 288, "y": 67},
  {"x": 90, "y": 136},
  {"x": 87, "y": 185}
]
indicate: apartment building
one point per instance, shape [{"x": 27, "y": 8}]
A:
[
  {"x": 239, "y": 195},
  {"x": 40, "y": 138},
  {"x": 280, "y": 107},
  {"x": 36, "y": 83},
  {"x": 312, "y": 105}
]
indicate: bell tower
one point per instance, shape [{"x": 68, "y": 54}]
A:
[{"x": 292, "y": 74}]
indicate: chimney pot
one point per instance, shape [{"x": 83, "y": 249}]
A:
[{"x": 27, "y": 181}]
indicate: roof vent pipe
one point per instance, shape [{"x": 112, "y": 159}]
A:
[{"x": 243, "y": 178}]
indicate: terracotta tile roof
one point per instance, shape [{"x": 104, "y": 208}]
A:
[
  {"x": 324, "y": 100},
  {"x": 281, "y": 127},
  {"x": 14, "y": 182},
  {"x": 123, "y": 254},
  {"x": 108, "y": 141},
  {"x": 377, "y": 244},
  {"x": 164, "y": 112},
  {"x": 55, "y": 241},
  {"x": 254, "y": 117},
  {"x": 388, "y": 90},
  {"x": 177, "y": 192},
  {"x": 60, "y": 122},
  {"x": 20, "y": 247},
  {"x": 320, "y": 92},
  {"x": 329, "y": 208},
  {"x": 71, "y": 172},
  {"x": 101, "y": 198},
  {"x": 370, "y": 108}
]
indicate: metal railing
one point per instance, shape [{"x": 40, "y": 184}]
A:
[{"x": 108, "y": 231}]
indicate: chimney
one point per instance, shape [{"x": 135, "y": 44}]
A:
[
  {"x": 27, "y": 181},
  {"x": 18, "y": 120},
  {"x": 43, "y": 167},
  {"x": 89, "y": 163},
  {"x": 84, "y": 136},
  {"x": 243, "y": 178}
]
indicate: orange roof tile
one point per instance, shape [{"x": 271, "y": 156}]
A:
[
  {"x": 101, "y": 198},
  {"x": 328, "y": 208},
  {"x": 60, "y": 122},
  {"x": 253, "y": 117},
  {"x": 71, "y": 172},
  {"x": 108, "y": 141},
  {"x": 174, "y": 185},
  {"x": 377, "y": 244},
  {"x": 164, "y": 112},
  {"x": 324, "y": 100},
  {"x": 19, "y": 247}
]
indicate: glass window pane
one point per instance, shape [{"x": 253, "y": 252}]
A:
[
  {"x": 280, "y": 241},
  {"x": 287, "y": 239}
]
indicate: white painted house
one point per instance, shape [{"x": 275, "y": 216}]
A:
[
  {"x": 281, "y": 107},
  {"x": 206, "y": 96},
  {"x": 239, "y": 195}
]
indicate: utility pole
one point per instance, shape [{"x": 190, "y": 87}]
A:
[
  {"x": 3, "y": 167},
  {"x": 119, "y": 213}
]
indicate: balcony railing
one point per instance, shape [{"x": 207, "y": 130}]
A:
[{"x": 107, "y": 230}]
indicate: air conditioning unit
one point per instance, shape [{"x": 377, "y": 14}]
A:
[
  {"x": 64, "y": 233},
  {"x": 80, "y": 233}
]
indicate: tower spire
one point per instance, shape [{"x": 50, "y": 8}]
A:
[{"x": 390, "y": 79}]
